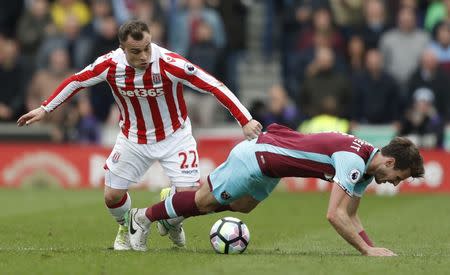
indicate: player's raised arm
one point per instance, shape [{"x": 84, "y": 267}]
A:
[
  {"x": 339, "y": 217},
  {"x": 89, "y": 76},
  {"x": 199, "y": 80}
]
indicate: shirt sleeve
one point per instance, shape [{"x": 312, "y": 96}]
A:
[
  {"x": 199, "y": 80},
  {"x": 89, "y": 76},
  {"x": 349, "y": 169},
  {"x": 360, "y": 187}
]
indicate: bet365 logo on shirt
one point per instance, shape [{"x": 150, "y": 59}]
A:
[{"x": 142, "y": 92}]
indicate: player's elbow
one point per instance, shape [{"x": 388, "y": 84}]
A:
[{"x": 331, "y": 216}]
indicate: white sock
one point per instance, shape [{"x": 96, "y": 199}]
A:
[{"x": 119, "y": 210}]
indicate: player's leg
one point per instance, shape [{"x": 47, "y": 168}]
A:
[
  {"x": 194, "y": 203},
  {"x": 227, "y": 183},
  {"x": 118, "y": 202},
  {"x": 202, "y": 201},
  {"x": 173, "y": 226},
  {"x": 183, "y": 204},
  {"x": 181, "y": 165},
  {"x": 245, "y": 204},
  {"x": 124, "y": 167},
  {"x": 178, "y": 156}
]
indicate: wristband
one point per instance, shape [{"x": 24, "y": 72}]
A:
[{"x": 366, "y": 238}]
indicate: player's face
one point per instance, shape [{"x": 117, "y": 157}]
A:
[
  {"x": 387, "y": 173},
  {"x": 138, "y": 52}
]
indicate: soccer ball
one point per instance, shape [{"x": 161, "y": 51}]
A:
[{"x": 229, "y": 236}]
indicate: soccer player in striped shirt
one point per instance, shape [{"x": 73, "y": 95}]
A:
[
  {"x": 254, "y": 168},
  {"x": 147, "y": 84}
]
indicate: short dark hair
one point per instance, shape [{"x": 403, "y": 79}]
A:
[
  {"x": 133, "y": 28},
  {"x": 406, "y": 155}
]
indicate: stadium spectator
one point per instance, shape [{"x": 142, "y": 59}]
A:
[
  {"x": 13, "y": 79},
  {"x": 295, "y": 17},
  {"x": 100, "y": 9},
  {"x": 103, "y": 41},
  {"x": 402, "y": 47},
  {"x": 182, "y": 32},
  {"x": 437, "y": 11},
  {"x": 159, "y": 33},
  {"x": 147, "y": 84},
  {"x": 441, "y": 45},
  {"x": 234, "y": 15},
  {"x": 322, "y": 22},
  {"x": 83, "y": 127},
  {"x": 101, "y": 13},
  {"x": 270, "y": 18},
  {"x": 356, "y": 52},
  {"x": 347, "y": 14},
  {"x": 430, "y": 76},
  {"x": 43, "y": 83},
  {"x": 375, "y": 23},
  {"x": 148, "y": 11},
  {"x": 422, "y": 123},
  {"x": 254, "y": 168},
  {"x": 280, "y": 109},
  {"x": 376, "y": 95},
  {"x": 62, "y": 9},
  {"x": 203, "y": 52},
  {"x": 418, "y": 7},
  {"x": 323, "y": 80},
  {"x": 33, "y": 26},
  {"x": 299, "y": 61},
  {"x": 326, "y": 120},
  {"x": 68, "y": 39},
  {"x": 123, "y": 9}
]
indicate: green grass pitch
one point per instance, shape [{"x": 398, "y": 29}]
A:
[{"x": 49, "y": 231}]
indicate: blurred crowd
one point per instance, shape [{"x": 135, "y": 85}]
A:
[
  {"x": 351, "y": 62},
  {"x": 343, "y": 62}
]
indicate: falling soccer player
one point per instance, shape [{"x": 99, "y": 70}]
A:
[{"x": 255, "y": 167}]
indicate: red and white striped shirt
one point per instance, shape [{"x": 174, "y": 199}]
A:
[{"x": 150, "y": 101}]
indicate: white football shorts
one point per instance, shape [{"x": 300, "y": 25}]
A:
[{"x": 177, "y": 154}]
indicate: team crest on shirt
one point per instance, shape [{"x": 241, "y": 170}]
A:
[
  {"x": 189, "y": 69},
  {"x": 355, "y": 175},
  {"x": 156, "y": 79},
  {"x": 225, "y": 195},
  {"x": 115, "y": 157}
]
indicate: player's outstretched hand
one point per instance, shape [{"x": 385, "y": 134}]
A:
[
  {"x": 252, "y": 129},
  {"x": 380, "y": 252},
  {"x": 31, "y": 117}
]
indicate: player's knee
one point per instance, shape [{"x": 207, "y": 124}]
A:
[{"x": 112, "y": 198}]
